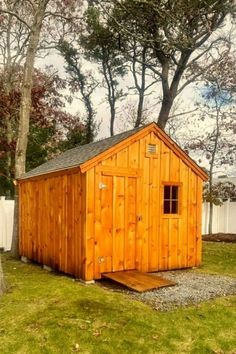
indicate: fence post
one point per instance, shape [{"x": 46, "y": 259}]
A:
[
  {"x": 6, "y": 223},
  {"x": 3, "y": 228}
]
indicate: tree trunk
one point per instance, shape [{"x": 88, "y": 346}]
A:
[
  {"x": 165, "y": 111},
  {"x": 9, "y": 141},
  {"x": 211, "y": 202},
  {"x": 107, "y": 72},
  {"x": 9, "y": 161},
  {"x": 25, "y": 108},
  {"x": 170, "y": 91},
  {"x": 212, "y": 163},
  {"x": 141, "y": 88},
  {"x": 89, "y": 120},
  {"x": 9, "y": 85},
  {"x": 210, "y": 218},
  {"x": 113, "y": 114},
  {"x": 140, "y": 109},
  {"x": 3, "y": 286}
]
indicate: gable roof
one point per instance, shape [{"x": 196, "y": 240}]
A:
[
  {"x": 86, "y": 156},
  {"x": 78, "y": 155}
]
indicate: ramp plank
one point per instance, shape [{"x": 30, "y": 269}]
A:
[{"x": 138, "y": 281}]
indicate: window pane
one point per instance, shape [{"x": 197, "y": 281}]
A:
[
  {"x": 167, "y": 207},
  {"x": 174, "y": 192},
  {"x": 174, "y": 207},
  {"x": 167, "y": 192}
]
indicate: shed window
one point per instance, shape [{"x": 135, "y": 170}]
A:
[{"x": 171, "y": 199}]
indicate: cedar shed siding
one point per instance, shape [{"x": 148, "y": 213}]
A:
[
  {"x": 52, "y": 219},
  {"x": 161, "y": 241},
  {"x": 86, "y": 216}
]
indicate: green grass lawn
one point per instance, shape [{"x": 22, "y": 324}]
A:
[
  {"x": 48, "y": 313},
  {"x": 219, "y": 258}
]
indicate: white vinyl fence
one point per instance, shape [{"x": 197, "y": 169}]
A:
[
  {"x": 6, "y": 223},
  {"x": 224, "y": 218}
]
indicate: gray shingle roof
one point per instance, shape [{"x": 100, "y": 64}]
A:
[{"x": 78, "y": 155}]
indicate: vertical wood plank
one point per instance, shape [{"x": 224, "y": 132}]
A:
[
  {"x": 183, "y": 221},
  {"x": 90, "y": 217},
  {"x": 154, "y": 183},
  {"x": 83, "y": 208},
  {"x": 145, "y": 203},
  {"x": 57, "y": 207},
  {"x": 119, "y": 223},
  {"x": 105, "y": 237},
  {"x": 97, "y": 223},
  {"x": 69, "y": 223},
  {"x": 158, "y": 197},
  {"x": 40, "y": 217},
  {"x": 153, "y": 215},
  {"x": 77, "y": 228},
  {"x": 122, "y": 158},
  {"x": 21, "y": 221},
  {"x": 130, "y": 222},
  {"x": 164, "y": 265},
  {"x": 111, "y": 161},
  {"x": 173, "y": 243},
  {"x": 174, "y": 234},
  {"x": 164, "y": 223},
  {"x": 133, "y": 155},
  {"x": 52, "y": 203}
]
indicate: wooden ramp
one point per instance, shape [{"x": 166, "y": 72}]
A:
[{"x": 138, "y": 281}]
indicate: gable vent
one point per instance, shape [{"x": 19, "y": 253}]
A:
[{"x": 152, "y": 149}]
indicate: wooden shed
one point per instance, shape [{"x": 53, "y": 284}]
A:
[{"x": 131, "y": 201}]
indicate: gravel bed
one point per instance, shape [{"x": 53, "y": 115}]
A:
[{"x": 191, "y": 288}]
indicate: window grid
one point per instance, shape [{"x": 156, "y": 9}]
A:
[{"x": 171, "y": 199}]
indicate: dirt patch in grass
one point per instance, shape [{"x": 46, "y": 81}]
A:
[{"x": 220, "y": 237}]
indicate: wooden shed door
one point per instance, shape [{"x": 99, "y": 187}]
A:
[{"x": 116, "y": 239}]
